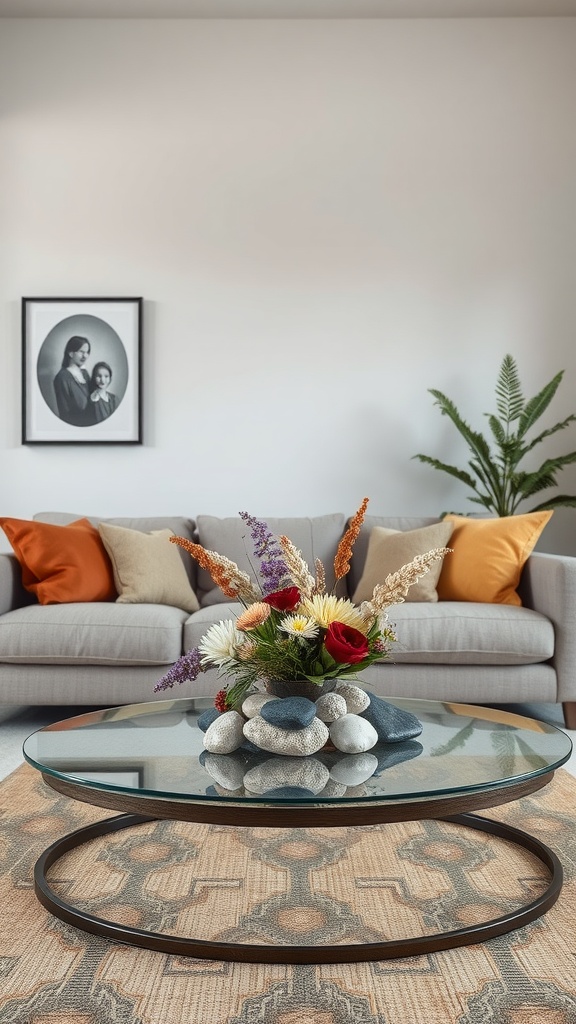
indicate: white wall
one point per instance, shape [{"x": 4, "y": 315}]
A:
[{"x": 324, "y": 218}]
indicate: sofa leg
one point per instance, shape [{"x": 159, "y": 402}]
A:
[{"x": 569, "y": 707}]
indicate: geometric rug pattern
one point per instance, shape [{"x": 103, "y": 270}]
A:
[{"x": 274, "y": 886}]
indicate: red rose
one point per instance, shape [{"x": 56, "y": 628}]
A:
[
  {"x": 284, "y": 600},
  {"x": 345, "y": 644}
]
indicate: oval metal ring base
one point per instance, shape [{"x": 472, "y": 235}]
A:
[{"x": 287, "y": 954}]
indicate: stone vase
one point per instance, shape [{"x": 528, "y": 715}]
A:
[{"x": 298, "y": 688}]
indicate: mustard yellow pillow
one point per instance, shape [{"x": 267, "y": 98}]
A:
[
  {"x": 389, "y": 550},
  {"x": 488, "y": 556}
]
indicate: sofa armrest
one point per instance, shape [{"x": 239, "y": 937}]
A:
[
  {"x": 12, "y": 593},
  {"x": 549, "y": 587}
]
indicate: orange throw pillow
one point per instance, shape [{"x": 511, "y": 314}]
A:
[
  {"x": 61, "y": 564},
  {"x": 488, "y": 556}
]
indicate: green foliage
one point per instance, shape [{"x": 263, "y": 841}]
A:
[{"x": 494, "y": 473}]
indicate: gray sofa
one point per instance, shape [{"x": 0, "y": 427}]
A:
[{"x": 109, "y": 653}]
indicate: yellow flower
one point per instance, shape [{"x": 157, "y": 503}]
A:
[
  {"x": 299, "y": 625},
  {"x": 325, "y": 608}
]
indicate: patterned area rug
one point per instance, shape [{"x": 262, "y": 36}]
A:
[{"x": 272, "y": 886}]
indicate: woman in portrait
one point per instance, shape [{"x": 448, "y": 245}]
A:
[
  {"x": 102, "y": 401},
  {"x": 72, "y": 383}
]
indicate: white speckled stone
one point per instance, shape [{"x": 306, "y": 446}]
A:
[
  {"x": 333, "y": 789},
  {"x": 225, "y": 734},
  {"x": 287, "y": 771},
  {"x": 356, "y": 698},
  {"x": 222, "y": 791},
  {"x": 226, "y": 769},
  {"x": 331, "y": 706},
  {"x": 352, "y": 734},
  {"x": 354, "y": 769},
  {"x": 254, "y": 702},
  {"x": 356, "y": 791},
  {"x": 298, "y": 742}
]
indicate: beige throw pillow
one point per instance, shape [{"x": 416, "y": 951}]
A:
[
  {"x": 147, "y": 568},
  {"x": 389, "y": 550}
]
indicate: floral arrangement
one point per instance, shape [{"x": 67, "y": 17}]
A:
[{"x": 290, "y": 627}]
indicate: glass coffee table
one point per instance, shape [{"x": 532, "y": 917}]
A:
[{"x": 130, "y": 759}]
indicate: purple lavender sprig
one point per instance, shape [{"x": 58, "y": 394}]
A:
[
  {"x": 273, "y": 568},
  {"x": 187, "y": 668}
]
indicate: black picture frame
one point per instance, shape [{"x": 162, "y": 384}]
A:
[{"x": 63, "y": 340}]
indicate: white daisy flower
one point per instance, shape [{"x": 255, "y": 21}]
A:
[
  {"x": 218, "y": 645},
  {"x": 299, "y": 625},
  {"x": 325, "y": 608}
]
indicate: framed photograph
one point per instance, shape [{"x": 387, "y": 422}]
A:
[{"x": 81, "y": 371}]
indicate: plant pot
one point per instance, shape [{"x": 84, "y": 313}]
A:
[{"x": 298, "y": 688}]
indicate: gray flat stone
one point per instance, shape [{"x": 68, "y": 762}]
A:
[
  {"x": 207, "y": 717},
  {"x": 289, "y": 712},
  {"x": 392, "y": 724}
]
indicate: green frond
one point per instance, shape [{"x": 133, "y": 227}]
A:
[
  {"x": 558, "y": 501},
  {"x": 460, "y": 474},
  {"x": 551, "y": 430},
  {"x": 493, "y": 474},
  {"x": 498, "y": 432},
  {"x": 509, "y": 397},
  {"x": 535, "y": 482},
  {"x": 537, "y": 405},
  {"x": 485, "y": 501}
]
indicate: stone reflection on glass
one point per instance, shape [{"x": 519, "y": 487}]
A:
[{"x": 329, "y": 773}]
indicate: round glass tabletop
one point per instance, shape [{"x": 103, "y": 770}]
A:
[{"x": 156, "y": 750}]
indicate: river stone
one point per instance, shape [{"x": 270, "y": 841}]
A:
[
  {"x": 354, "y": 792},
  {"x": 388, "y": 755},
  {"x": 354, "y": 769},
  {"x": 353, "y": 734},
  {"x": 286, "y": 741},
  {"x": 254, "y": 704},
  {"x": 289, "y": 792},
  {"x": 356, "y": 698},
  {"x": 207, "y": 717},
  {"x": 217, "y": 790},
  {"x": 331, "y": 706},
  {"x": 226, "y": 769},
  {"x": 333, "y": 789},
  {"x": 289, "y": 712},
  {"x": 225, "y": 734},
  {"x": 281, "y": 772},
  {"x": 391, "y": 723}
]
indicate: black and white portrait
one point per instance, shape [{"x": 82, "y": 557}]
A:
[{"x": 81, "y": 380}]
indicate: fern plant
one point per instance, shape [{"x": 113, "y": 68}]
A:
[{"x": 494, "y": 474}]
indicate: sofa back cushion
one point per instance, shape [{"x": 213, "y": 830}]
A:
[
  {"x": 389, "y": 550},
  {"x": 179, "y": 525},
  {"x": 61, "y": 564},
  {"x": 316, "y": 537},
  {"x": 488, "y": 557},
  {"x": 147, "y": 567},
  {"x": 360, "y": 549}
]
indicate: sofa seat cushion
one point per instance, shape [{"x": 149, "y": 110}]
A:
[
  {"x": 98, "y": 633},
  {"x": 198, "y": 623},
  {"x": 446, "y": 633},
  {"x": 467, "y": 633}
]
